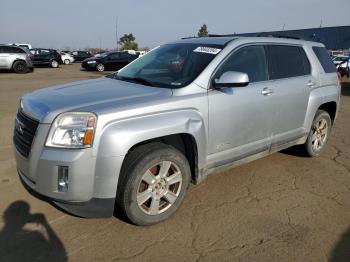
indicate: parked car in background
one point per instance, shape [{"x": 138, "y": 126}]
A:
[
  {"x": 97, "y": 54},
  {"x": 15, "y": 58},
  {"x": 344, "y": 68},
  {"x": 135, "y": 140},
  {"x": 80, "y": 55},
  {"x": 340, "y": 59},
  {"x": 23, "y": 45},
  {"x": 67, "y": 58},
  {"x": 110, "y": 61},
  {"x": 141, "y": 53},
  {"x": 43, "y": 56}
]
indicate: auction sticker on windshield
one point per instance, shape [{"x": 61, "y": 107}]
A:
[{"x": 208, "y": 50}]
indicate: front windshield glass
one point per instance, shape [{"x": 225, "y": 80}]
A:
[{"x": 171, "y": 65}]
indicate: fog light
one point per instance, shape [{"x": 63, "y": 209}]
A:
[{"x": 62, "y": 181}]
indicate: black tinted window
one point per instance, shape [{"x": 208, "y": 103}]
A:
[
  {"x": 325, "y": 59},
  {"x": 114, "y": 56},
  {"x": 250, "y": 60},
  {"x": 12, "y": 50},
  {"x": 287, "y": 61}
]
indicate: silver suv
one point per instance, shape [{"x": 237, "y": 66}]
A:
[
  {"x": 134, "y": 141},
  {"x": 15, "y": 58}
]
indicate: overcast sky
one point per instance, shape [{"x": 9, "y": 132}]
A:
[{"x": 91, "y": 23}]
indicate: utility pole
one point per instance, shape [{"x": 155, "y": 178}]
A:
[
  {"x": 284, "y": 25},
  {"x": 321, "y": 23},
  {"x": 116, "y": 32}
]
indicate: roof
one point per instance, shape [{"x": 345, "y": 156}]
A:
[{"x": 222, "y": 41}]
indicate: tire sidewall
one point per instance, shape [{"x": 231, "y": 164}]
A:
[
  {"x": 319, "y": 115},
  {"x": 132, "y": 210}
]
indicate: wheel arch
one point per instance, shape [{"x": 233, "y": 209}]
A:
[
  {"x": 184, "y": 130},
  {"x": 17, "y": 60}
]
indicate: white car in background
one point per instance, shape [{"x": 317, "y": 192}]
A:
[
  {"x": 67, "y": 58},
  {"x": 23, "y": 45}
]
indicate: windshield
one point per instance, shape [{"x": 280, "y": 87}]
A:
[{"x": 171, "y": 65}]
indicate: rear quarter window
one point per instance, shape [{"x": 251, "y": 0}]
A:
[{"x": 325, "y": 59}]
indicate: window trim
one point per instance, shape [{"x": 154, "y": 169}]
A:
[
  {"x": 285, "y": 44},
  {"x": 265, "y": 45},
  {"x": 234, "y": 50}
]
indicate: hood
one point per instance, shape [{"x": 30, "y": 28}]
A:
[
  {"x": 92, "y": 59},
  {"x": 88, "y": 96}
]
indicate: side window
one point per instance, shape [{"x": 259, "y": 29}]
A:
[
  {"x": 75, "y": 53},
  {"x": 114, "y": 56},
  {"x": 287, "y": 61},
  {"x": 325, "y": 59},
  {"x": 250, "y": 60},
  {"x": 6, "y": 49},
  {"x": 44, "y": 52}
]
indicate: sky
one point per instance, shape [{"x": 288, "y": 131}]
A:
[{"x": 92, "y": 23}]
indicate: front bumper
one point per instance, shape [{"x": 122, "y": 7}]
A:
[
  {"x": 95, "y": 207},
  {"x": 88, "y": 66},
  {"x": 92, "y": 179}
]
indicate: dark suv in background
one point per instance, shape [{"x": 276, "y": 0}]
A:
[
  {"x": 15, "y": 58},
  {"x": 109, "y": 61},
  {"x": 42, "y": 56},
  {"x": 80, "y": 55}
]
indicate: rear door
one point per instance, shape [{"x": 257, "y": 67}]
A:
[
  {"x": 290, "y": 72},
  {"x": 112, "y": 61},
  {"x": 3, "y": 56}
]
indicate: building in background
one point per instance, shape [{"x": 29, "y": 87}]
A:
[{"x": 334, "y": 38}]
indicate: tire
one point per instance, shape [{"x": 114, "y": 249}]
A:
[
  {"x": 54, "y": 64},
  {"x": 20, "y": 67},
  {"x": 153, "y": 183},
  {"x": 319, "y": 134},
  {"x": 100, "y": 67},
  {"x": 66, "y": 62}
]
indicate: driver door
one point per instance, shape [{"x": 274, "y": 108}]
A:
[{"x": 240, "y": 118}]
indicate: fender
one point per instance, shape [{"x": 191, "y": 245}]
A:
[{"x": 118, "y": 137}]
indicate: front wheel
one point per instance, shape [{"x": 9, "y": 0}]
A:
[
  {"x": 153, "y": 183},
  {"x": 319, "y": 134},
  {"x": 66, "y": 62},
  {"x": 100, "y": 67},
  {"x": 20, "y": 67}
]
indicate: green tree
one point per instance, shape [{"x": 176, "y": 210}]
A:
[
  {"x": 203, "y": 31},
  {"x": 127, "y": 42}
]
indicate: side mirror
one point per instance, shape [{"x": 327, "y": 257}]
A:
[{"x": 231, "y": 79}]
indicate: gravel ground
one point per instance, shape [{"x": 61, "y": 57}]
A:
[{"x": 283, "y": 207}]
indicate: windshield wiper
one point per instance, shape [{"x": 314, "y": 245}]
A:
[{"x": 135, "y": 79}]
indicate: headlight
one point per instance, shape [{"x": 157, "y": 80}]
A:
[
  {"x": 72, "y": 130},
  {"x": 91, "y": 62}
]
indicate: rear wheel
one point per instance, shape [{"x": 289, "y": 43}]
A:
[
  {"x": 319, "y": 134},
  {"x": 54, "y": 64},
  {"x": 153, "y": 183},
  {"x": 100, "y": 67},
  {"x": 20, "y": 67}
]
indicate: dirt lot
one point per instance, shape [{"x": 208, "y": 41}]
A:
[{"x": 280, "y": 208}]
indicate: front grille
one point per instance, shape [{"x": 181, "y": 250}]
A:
[{"x": 24, "y": 132}]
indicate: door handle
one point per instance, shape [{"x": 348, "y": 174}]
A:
[
  {"x": 311, "y": 83},
  {"x": 266, "y": 91}
]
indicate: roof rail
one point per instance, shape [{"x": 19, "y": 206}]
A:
[
  {"x": 267, "y": 34},
  {"x": 215, "y": 35},
  {"x": 189, "y": 37}
]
